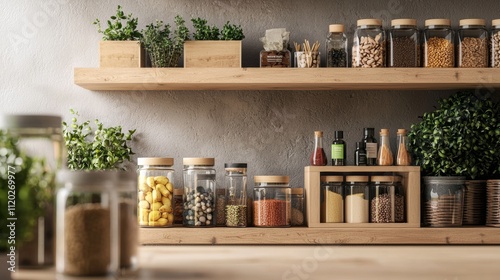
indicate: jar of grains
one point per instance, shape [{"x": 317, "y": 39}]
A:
[
  {"x": 368, "y": 49},
  {"x": 336, "y": 46},
  {"x": 297, "y": 218},
  {"x": 387, "y": 200},
  {"x": 495, "y": 43},
  {"x": 199, "y": 192},
  {"x": 472, "y": 44},
  {"x": 356, "y": 199},
  {"x": 438, "y": 44},
  {"x": 332, "y": 199},
  {"x": 235, "y": 187},
  {"x": 403, "y": 43},
  {"x": 155, "y": 192},
  {"x": 272, "y": 199}
]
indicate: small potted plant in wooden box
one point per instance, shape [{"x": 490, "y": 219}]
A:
[
  {"x": 212, "y": 47},
  {"x": 120, "y": 45}
]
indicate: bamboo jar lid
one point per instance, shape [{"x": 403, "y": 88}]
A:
[
  {"x": 438, "y": 21},
  {"x": 336, "y": 28},
  {"x": 404, "y": 21},
  {"x": 155, "y": 161},
  {"x": 369, "y": 21},
  {"x": 472, "y": 21},
  {"x": 495, "y": 22},
  {"x": 326, "y": 179},
  {"x": 388, "y": 179},
  {"x": 298, "y": 191},
  {"x": 362, "y": 179},
  {"x": 198, "y": 161},
  {"x": 178, "y": 191},
  {"x": 271, "y": 179}
]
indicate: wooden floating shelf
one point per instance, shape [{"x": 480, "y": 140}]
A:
[
  {"x": 308, "y": 236},
  {"x": 285, "y": 78}
]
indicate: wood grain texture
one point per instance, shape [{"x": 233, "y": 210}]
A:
[
  {"x": 123, "y": 54},
  {"x": 285, "y": 78},
  {"x": 212, "y": 54}
]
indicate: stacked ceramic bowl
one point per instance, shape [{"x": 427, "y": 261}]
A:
[
  {"x": 493, "y": 203},
  {"x": 475, "y": 202}
]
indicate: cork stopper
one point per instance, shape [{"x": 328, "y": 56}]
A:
[
  {"x": 155, "y": 161},
  {"x": 198, "y": 161},
  {"x": 438, "y": 21},
  {"x": 402, "y": 131},
  {"x": 318, "y": 133},
  {"x": 472, "y": 21},
  {"x": 384, "y": 132},
  {"x": 326, "y": 179},
  {"x": 336, "y": 28},
  {"x": 495, "y": 22},
  {"x": 404, "y": 21},
  {"x": 369, "y": 21}
]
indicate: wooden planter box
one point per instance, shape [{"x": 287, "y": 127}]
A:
[
  {"x": 121, "y": 54},
  {"x": 212, "y": 54}
]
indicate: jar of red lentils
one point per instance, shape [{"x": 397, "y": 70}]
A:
[{"x": 272, "y": 201}]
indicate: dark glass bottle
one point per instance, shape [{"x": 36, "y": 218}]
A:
[
  {"x": 371, "y": 146},
  {"x": 338, "y": 149},
  {"x": 360, "y": 154},
  {"x": 318, "y": 157}
]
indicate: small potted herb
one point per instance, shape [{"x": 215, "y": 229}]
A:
[
  {"x": 213, "y": 47},
  {"x": 120, "y": 45}
]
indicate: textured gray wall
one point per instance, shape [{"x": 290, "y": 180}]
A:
[{"x": 271, "y": 130}]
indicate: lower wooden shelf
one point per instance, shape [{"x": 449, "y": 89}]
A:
[{"x": 308, "y": 236}]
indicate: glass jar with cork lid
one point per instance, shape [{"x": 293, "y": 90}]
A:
[
  {"x": 356, "y": 199},
  {"x": 495, "y": 43},
  {"x": 472, "y": 51},
  {"x": 368, "y": 49},
  {"x": 298, "y": 209},
  {"x": 332, "y": 199},
  {"x": 272, "y": 201},
  {"x": 235, "y": 188},
  {"x": 336, "y": 47},
  {"x": 387, "y": 200},
  {"x": 439, "y": 51},
  {"x": 403, "y": 43}
]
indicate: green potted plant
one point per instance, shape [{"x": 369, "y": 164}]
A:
[
  {"x": 163, "y": 47},
  {"x": 459, "y": 140},
  {"x": 120, "y": 45},
  {"x": 213, "y": 47}
]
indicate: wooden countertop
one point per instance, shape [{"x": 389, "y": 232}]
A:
[{"x": 308, "y": 262}]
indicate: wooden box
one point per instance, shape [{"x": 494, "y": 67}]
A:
[
  {"x": 121, "y": 54},
  {"x": 411, "y": 186},
  {"x": 212, "y": 54}
]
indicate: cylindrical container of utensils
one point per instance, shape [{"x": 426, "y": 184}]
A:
[{"x": 443, "y": 201}]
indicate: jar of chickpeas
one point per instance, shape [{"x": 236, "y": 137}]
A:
[{"x": 439, "y": 50}]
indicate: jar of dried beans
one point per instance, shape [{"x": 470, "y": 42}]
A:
[
  {"x": 438, "y": 44},
  {"x": 472, "y": 44},
  {"x": 332, "y": 199},
  {"x": 272, "y": 201},
  {"x": 403, "y": 44},
  {"x": 387, "y": 200},
  {"x": 356, "y": 199},
  {"x": 368, "y": 49},
  {"x": 495, "y": 43},
  {"x": 199, "y": 192},
  {"x": 155, "y": 192}
]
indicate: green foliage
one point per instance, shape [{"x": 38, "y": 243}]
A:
[
  {"x": 105, "y": 148},
  {"x": 117, "y": 31},
  {"x": 232, "y": 32},
  {"x": 205, "y": 32},
  {"x": 461, "y": 137},
  {"x": 165, "y": 50}
]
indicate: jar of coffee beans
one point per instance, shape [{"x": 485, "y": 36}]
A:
[
  {"x": 387, "y": 200},
  {"x": 472, "y": 47},
  {"x": 235, "y": 186},
  {"x": 332, "y": 199},
  {"x": 403, "y": 43},
  {"x": 199, "y": 192},
  {"x": 495, "y": 43},
  {"x": 439, "y": 50},
  {"x": 272, "y": 201},
  {"x": 336, "y": 46},
  {"x": 368, "y": 49}
]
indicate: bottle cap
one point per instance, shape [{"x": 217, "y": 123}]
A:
[
  {"x": 384, "y": 131},
  {"x": 337, "y": 28},
  {"x": 369, "y": 131},
  {"x": 198, "y": 161},
  {"x": 438, "y": 21},
  {"x": 495, "y": 22},
  {"x": 360, "y": 145},
  {"x": 318, "y": 133},
  {"x": 369, "y": 21},
  {"x": 155, "y": 161},
  {"x": 472, "y": 21},
  {"x": 402, "y": 131},
  {"x": 339, "y": 134},
  {"x": 404, "y": 21}
]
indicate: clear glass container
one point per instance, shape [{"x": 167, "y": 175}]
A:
[
  {"x": 127, "y": 211},
  {"x": 384, "y": 156},
  {"x": 472, "y": 50},
  {"x": 87, "y": 223},
  {"x": 235, "y": 186},
  {"x": 403, "y": 156},
  {"x": 298, "y": 209},
  {"x": 495, "y": 43},
  {"x": 443, "y": 200},
  {"x": 318, "y": 156},
  {"x": 307, "y": 59},
  {"x": 439, "y": 51},
  {"x": 199, "y": 192},
  {"x": 368, "y": 49},
  {"x": 178, "y": 206},
  {"x": 332, "y": 199},
  {"x": 275, "y": 59},
  {"x": 356, "y": 199},
  {"x": 31, "y": 152},
  {"x": 403, "y": 44},
  {"x": 387, "y": 200},
  {"x": 272, "y": 201},
  {"x": 336, "y": 47},
  {"x": 155, "y": 192}
]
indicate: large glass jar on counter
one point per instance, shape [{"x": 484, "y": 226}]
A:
[
  {"x": 472, "y": 44},
  {"x": 368, "y": 49},
  {"x": 199, "y": 192},
  {"x": 387, "y": 200},
  {"x": 403, "y": 43},
  {"x": 356, "y": 199},
  {"x": 443, "y": 200},
  {"x": 155, "y": 192},
  {"x": 235, "y": 186},
  {"x": 439, "y": 51},
  {"x": 332, "y": 199},
  {"x": 272, "y": 201},
  {"x": 495, "y": 43}
]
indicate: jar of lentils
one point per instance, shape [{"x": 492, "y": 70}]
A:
[
  {"x": 387, "y": 200},
  {"x": 438, "y": 44},
  {"x": 472, "y": 44},
  {"x": 272, "y": 201},
  {"x": 155, "y": 192},
  {"x": 368, "y": 49},
  {"x": 356, "y": 199},
  {"x": 495, "y": 43},
  {"x": 199, "y": 192},
  {"x": 332, "y": 199},
  {"x": 403, "y": 43}
]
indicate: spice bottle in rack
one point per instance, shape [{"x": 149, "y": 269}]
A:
[
  {"x": 336, "y": 46},
  {"x": 318, "y": 157},
  {"x": 371, "y": 146},
  {"x": 384, "y": 157},
  {"x": 338, "y": 149},
  {"x": 403, "y": 156}
]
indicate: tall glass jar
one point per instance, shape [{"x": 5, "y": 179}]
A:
[
  {"x": 387, "y": 200},
  {"x": 439, "y": 51},
  {"x": 235, "y": 185},
  {"x": 127, "y": 212},
  {"x": 332, "y": 199},
  {"x": 495, "y": 43},
  {"x": 368, "y": 49},
  {"x": 155, "y": 192},
  {"x": 199, "y": 192},
  {"x": 336, "y": 47},
  {"x": 298, "y": 209},
  {"x": 356, "y": 199},
  {"x": 87, "y": 223},
  {"x": 403, "y": 156},
  {"x": 403, "y": 43},
  {"x": 178, "y": 206},
  {"x": 31, "y": 152},
  {"x": 384, "y": 156},
  {"x": 472, "y": 44},
  {"x": 272, "y": 201}
]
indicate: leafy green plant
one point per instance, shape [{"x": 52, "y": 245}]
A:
[
  {"x": 461, "y": 137},
  {"x": 206, "y": 32},
  {"x": 117, "y": 30},
  {"x": 105, "y": 148},
  {"x": 232, "y": 32},
  {"x": 165, "y": 50}
]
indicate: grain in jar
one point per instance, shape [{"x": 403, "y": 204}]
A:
[
  {"x": 272, "y": 201},
  {"x": 199, "y": 192},
  {"x": 297, "y": 200},
  {"x": 368, "y": 49},
  {"x": 439, "y": 51},
  {"x": 495, "y": 43},
  {"x": 356, "y": 199},
  {"x": 472, "y": 44},
  {"x": 235, "y": 189},
  {"x": 387, "y": 200},
  {"x": 332, "y": 199},
  {"x": 403, "y": 43}
]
